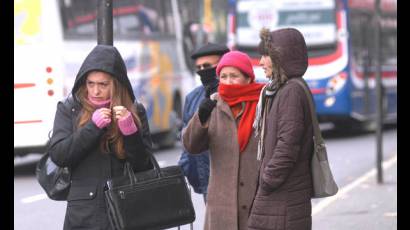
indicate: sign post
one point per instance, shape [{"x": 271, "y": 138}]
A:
[
  {"x": 104, "y": 23},
  {"x": 379, "y": 94}
]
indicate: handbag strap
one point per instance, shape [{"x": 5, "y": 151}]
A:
[
  {"x": 128, "y": 169},
  {"x": 316, "y": 131}
]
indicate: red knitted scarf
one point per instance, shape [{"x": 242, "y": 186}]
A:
[{"x": 234, "y": 94}]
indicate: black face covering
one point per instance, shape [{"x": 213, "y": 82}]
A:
[{"x": 208, "y": 76}]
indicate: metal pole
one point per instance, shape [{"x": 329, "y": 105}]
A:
[
  {"x": 379, "y": 95},
  {"x": 104, "y": 22}
]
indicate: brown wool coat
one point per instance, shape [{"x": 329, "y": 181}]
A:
[
  {"x": 233, "y": 175},
  {"x": 285, "y": 185}
]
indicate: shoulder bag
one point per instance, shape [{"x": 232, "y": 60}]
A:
[
  {"x": 154, "y": 199},
  {"x": 324, "y": 184},
  {"x": 53, "y": 179}
]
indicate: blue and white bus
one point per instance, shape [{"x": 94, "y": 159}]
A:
[{"x": 340, "y": 39}]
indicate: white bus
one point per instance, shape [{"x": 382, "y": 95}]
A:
[{"x": 38, "y": 76}]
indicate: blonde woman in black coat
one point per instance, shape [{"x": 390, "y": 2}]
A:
[{"x": 95, "y": 131}]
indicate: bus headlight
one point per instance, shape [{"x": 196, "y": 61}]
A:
[
  {"x": 336, "y": 83},
  {"x": 330, "y": 101}
]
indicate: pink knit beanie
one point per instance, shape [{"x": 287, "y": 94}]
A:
[{"x": 238, "y": 60}]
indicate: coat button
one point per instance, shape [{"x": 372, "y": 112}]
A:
[
  {"x": 91, "y": 194},
  {"x": 243, "y": 206},
  {"x": 241, "y": 183}
]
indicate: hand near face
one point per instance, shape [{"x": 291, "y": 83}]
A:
[
  {"x": 125, "y": 120},
  {"x": 102, "y": 117},
  {"x": 120, "y": 112},
  {"x": 105, "y": 113}
]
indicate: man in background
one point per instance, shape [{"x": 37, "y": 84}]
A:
[{"x": 196, "y": 167}]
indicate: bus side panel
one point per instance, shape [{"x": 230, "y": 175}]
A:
[{"x": 38, "y": 80}]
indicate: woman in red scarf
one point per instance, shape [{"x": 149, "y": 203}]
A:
[{"x": 223, "y": 124}]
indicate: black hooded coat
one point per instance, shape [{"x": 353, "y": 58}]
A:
[{"x": 79, "y": 148}]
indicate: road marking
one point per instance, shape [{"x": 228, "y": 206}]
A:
[
  {"x": 34, "y": 198},
  {"x": 162, "y": 163},
  {"x": 327, "y": 201}
]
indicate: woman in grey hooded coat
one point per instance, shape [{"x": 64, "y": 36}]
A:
[{"x": 95, "y": 131}]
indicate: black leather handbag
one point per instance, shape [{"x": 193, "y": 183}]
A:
[
  {"x": 53, "y": 179},
  {"x": 154, "y": 199}
]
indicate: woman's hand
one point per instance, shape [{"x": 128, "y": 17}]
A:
[
  {"x": 120, "y": 112},
  {"x": 102, "y": 117},
  {"x": 125, "y": 120}
]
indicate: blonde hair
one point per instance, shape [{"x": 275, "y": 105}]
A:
[{"x": 113, "y": 136}]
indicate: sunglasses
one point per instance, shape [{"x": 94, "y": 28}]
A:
[{"x": 204, "y": 66}]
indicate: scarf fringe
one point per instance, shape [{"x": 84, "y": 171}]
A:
[
  {"x": 258, "y": 115},
  {"x": 269, "y": 90}
]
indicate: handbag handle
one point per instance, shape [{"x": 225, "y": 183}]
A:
[{"x": 128, "y": 169}]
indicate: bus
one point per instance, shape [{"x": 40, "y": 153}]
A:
[
  {"x": 340, "y": 38},
  {"x": 38, "y": 73}
]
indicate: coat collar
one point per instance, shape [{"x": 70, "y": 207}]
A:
[{"x": 222, "y": 105}]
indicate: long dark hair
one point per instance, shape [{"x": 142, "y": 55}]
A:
[{"x": 113, "y": 136}]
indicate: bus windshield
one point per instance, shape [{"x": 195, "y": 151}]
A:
[{"x": 315, "y": 19}]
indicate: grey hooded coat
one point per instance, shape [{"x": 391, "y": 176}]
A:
[{"x": 79, "y": 148}]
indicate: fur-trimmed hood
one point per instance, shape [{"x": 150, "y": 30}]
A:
[{"x": 287, "y": 48}]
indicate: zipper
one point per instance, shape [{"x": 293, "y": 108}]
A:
[{"x": 129, "y": 190}]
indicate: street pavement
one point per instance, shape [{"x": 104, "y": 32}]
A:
[{"x": 361, "y": 205}]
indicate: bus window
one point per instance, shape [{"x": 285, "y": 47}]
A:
[
  {"x": 389, "y": 42},
  {"x": 132, "y": 19},
  {"x": 317, "y": 23}
]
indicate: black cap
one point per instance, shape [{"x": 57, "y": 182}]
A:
[{"x": 210, "y": 49}]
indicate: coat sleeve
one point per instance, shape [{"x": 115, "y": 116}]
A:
[
  {"x": 195, "y": 136},
  {"x": 289, "y": 138},
  {"x": 68, "y": 146},
  {"x": 138, "y": 146}
]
